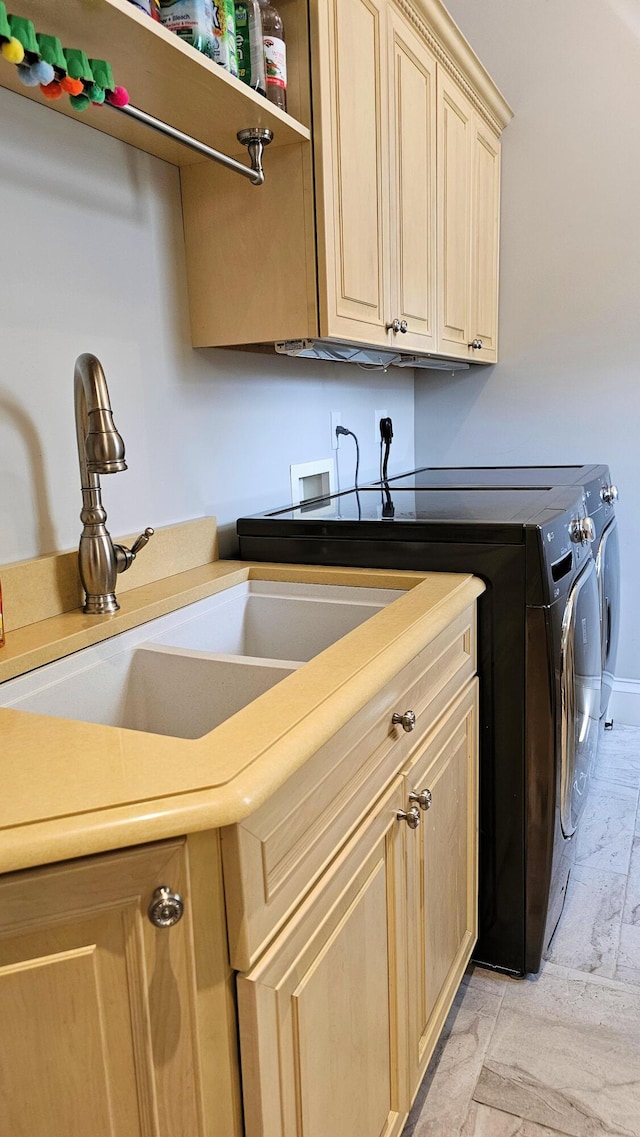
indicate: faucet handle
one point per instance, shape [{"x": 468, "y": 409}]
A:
[
  {"x": 143, "y": 540},
  {"x": 125, "y": 557}
]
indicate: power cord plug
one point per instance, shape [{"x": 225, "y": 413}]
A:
[{"x": 386, "y": 430}]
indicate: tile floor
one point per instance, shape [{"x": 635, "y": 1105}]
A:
[{"x": 558, "y": 1055}]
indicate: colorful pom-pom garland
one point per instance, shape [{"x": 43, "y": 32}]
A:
[{"x": 43, "y": 62}]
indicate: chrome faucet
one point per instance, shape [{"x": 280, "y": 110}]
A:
[{"x": 100, "y": 451}]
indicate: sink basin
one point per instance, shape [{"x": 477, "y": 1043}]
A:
[
  {"x": 185, "y": 673},
  {"x": 183, "y": 694},
  {"x": 275, "y": 620}
]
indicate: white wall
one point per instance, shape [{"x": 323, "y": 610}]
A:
[
  {"x": 91, "y": 259},
  {"x": 567, "y": 388}
]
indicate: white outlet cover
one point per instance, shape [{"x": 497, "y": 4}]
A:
[{"x": 320, "y": 477}]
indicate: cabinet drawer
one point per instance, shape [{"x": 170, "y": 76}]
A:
[{"x": 273, "y": 857}]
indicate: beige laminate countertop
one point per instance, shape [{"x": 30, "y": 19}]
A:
[{"x": 73, "y": 788}]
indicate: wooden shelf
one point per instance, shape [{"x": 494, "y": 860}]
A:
[{"x": 164, "y": 76}]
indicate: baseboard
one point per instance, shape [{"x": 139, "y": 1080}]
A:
[{"x": 624, "y": 706}]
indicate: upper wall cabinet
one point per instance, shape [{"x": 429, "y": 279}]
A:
[{"x": 385, "y": 231}]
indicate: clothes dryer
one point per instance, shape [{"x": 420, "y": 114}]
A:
[
  {"x": 539, "y": 665},
  {"x": 601, "y": 496}
]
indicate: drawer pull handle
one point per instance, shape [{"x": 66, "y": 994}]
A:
[
  {"x": 166, "y": 907},
  {"x": 407, "y": 721},
  {"x": 423, "y": 799},
  {"x": 412, "y": 816}
]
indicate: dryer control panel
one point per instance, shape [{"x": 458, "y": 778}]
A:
[{"x": 566, "y": 546}]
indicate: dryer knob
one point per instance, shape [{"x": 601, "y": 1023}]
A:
[
  {"x": 609, "y": 494},
  {"x": 582, "y": 530}
]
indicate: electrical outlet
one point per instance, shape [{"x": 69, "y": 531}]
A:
[
  {"x": 336, "y": 420},
  {"x": 378, "y": 415}
]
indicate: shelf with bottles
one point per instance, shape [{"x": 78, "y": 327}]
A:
[{"x": 169, "y": 79}]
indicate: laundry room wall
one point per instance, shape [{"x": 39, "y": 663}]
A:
[
  {"x": 92, "y": 259},
  {"x": 567, "y": 387}
]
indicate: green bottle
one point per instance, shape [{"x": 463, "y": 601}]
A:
[
  {"x": 224, "y": 35},
  {"x": 250, "y": 46}
]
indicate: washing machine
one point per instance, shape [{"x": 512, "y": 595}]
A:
[
  {"x": 601, "y": 496},
  {"x": 539, "y": 666}
]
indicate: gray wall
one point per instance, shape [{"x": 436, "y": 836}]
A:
[
  {"x": 91, "y": 259},
  {"x": 567, "y": 387}
]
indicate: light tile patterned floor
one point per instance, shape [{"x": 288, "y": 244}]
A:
[{"x": 558, "y": 1055}]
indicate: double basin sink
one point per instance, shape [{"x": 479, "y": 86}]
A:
[{"x": 185, "y": 673}]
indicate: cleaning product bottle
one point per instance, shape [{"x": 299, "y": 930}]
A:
[
  {"x": 151, "y": 7},
  {"x": 224, "y": 35},
  {"x": 250, "y": 46},
  {"x": 275, "y": 54},
  {"x": 192, "y": 20}
]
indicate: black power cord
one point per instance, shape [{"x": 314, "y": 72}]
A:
[
  {"x": 343, "y": 430},
  {"x": 386, "y": 436}
]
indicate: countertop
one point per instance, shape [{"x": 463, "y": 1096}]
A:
[{"x": 74, "y": 788}]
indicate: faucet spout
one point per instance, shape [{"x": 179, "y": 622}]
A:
[
  {"x": 100, "y": 451},
  {"x": 100, "y": 447}
]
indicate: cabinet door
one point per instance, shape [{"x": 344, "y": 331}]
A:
[
  {"x": 97, "y": 1032},
  {"x": 351, "y": 144},
  {"x": 323, "y": 1038},
  {"x": 485, "y": 229},
  {"x": 442, "y": 875},
  {"x": 412, "y": 151},
  {"x": 455, "y": 151}
]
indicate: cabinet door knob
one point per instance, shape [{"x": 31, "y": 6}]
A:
[
  {"x": 476, "y": 344},
  {"x": 404, "y": 327},
  {"x": 407, "y": 721},
  {"x": 423, "y": 798},
  {"x": 395, "y": 326},
  {"x": 412, "y": 816},
  {"x": 166, "y": 907}
]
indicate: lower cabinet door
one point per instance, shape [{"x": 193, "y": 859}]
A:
[
  {"x": 442, "y": 856},
  {"x": 323, "y": 1036},
  {"x": 97, "y": 1031}
]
